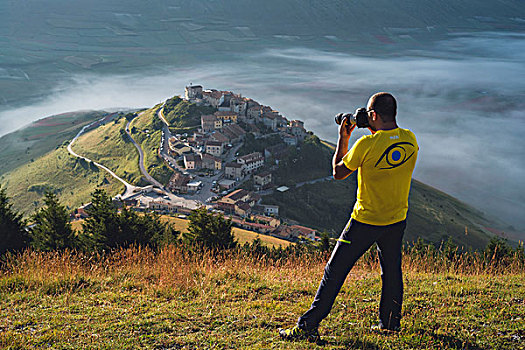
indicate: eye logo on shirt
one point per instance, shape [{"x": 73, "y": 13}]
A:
[{"x": 395, "y": 155}]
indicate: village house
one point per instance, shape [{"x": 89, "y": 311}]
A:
[
  {"x": 227, "y": 116},
  {"x": 271, "y": 209},
  {"x": 208, "y": 122},
  {"x": 214, "y": 148},
  {"x": 251, "y": 162},
  {"x": 296, "y": 128},
  {"x": 219, "y": 137},
  {"x": 161, "y": 206},
  {"x": 224, "y": 102},
  {"x": 239, "y": 201},
  {"x": 234, "y": 132},
  {"x": 212, "y": 97},
  {"x": 273, "y": 222},
  {"x": 238, "y": 105},
  {"x": 176, "y": 147},
  {"x": 233, "y": 170},
  {"x": 211, "y": 162},
  {"x": 194, "y": 186},
  {"x": 178, "y": 183},
  {"x": 242, "y": 209},
  {"x": 226, "y": 184},
  {"x": 289, "y": 139},
  {"x": 262, "y": 180},
  {"x": 254, "y": 112},
  {"x": 296, "y": 231},
  {"x": 193, "y": 92},
  {"x": 192, "y": 161},
  {"x": 251, "y": 226}
]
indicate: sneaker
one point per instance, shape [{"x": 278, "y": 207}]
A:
[
  {"x": 379, "y": 328},
  {"x": 297, "y": 333}
]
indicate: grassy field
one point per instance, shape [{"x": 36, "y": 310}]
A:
[
  {"x": 148, "y": 134},
  {"x": 242, "y": 236},
  {"x": 72, "y": 180},
  {"x": 107, "y": 146},
  {"x": 174, "y": 300},
  {"x": 41, "y": 137}
]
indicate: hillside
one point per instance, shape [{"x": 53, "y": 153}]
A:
[
  {"x": 35, "y": 159},
  {"x": 71, "y": 179},
  {"x": 41, "y": 137},
  {"x": 183, "y": 114},
  {"x": 434, "y": 216}
]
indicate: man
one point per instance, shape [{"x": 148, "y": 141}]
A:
[{"x": 385, "y": 161}]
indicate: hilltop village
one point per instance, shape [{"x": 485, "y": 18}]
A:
[{"x": 209, "y": 170}]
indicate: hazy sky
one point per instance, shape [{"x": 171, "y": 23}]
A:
[{"x": 464, "y": 99}]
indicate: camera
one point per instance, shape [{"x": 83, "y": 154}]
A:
[{"x": 360, "y": 118}]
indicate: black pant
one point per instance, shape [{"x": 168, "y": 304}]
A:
[{"x": 361, "y": 237}]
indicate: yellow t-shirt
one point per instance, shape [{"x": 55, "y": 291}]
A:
[{"x": 385, "y": 161}]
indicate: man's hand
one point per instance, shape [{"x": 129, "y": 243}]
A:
[
  {"x": 340, "y": 171},
  {"x": 345, "y": 129}
]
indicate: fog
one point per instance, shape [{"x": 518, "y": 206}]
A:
[{"x": 464, "y": 99}]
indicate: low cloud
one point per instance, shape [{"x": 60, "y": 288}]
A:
[{"x": 466, "y": 109}]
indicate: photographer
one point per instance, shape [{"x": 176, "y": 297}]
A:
[{"x": 385, "y": 161}]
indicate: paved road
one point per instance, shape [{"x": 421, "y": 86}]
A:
[
  {"x": 327, "y": 178},
  {"x": 164, "y": 143},
  {"x": 143, "y": 170},
  {"x": 129, "y": 188}
]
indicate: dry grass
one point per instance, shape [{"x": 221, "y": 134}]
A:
[{"x": 135, "y": 298}]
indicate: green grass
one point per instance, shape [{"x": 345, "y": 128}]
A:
[
  {"x": 137, "y": 299},
  {"x": 107, "y": 146},
  {"x": 71, "y": 179},
  {"x": 150, "y": 143},
  {"x": 180, "y": 113}
]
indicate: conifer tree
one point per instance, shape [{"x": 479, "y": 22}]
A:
[
  {"x": 13, "y": 235},
  {"x": 101, "y": 230},
  {"x": 52, "y": 229},
  {"x": 208, "y": 230}
]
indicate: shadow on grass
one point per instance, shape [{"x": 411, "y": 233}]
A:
[
  {"x": 449, "y": 341},
  {"x": 446, "y": 341},
  {"x": 349, "y": 344}
]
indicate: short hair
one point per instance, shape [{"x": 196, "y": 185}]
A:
[{"x": 385, "y": 105}]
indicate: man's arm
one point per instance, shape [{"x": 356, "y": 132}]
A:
[{"x": 340, "y": 171}]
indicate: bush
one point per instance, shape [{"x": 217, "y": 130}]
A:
[{"x": 209, "y": 231}]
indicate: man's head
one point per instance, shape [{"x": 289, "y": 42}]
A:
[{"x": 383, "y": 105}]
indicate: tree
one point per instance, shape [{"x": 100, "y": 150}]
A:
[
  {"x": 210, "y": 231},
  {"x": 325, "y": 244},
  {"x": 52, "y": 229},
  {"x": 101, "y": 230},
  {"x": 497, "y": 250},
  {"x": 106, "y": 228},
  {"x": 13, "y": 235}
]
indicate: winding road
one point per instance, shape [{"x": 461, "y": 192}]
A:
[
  {"x": 130, "y": 189},
  {"x": 143, "y": 170}
]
